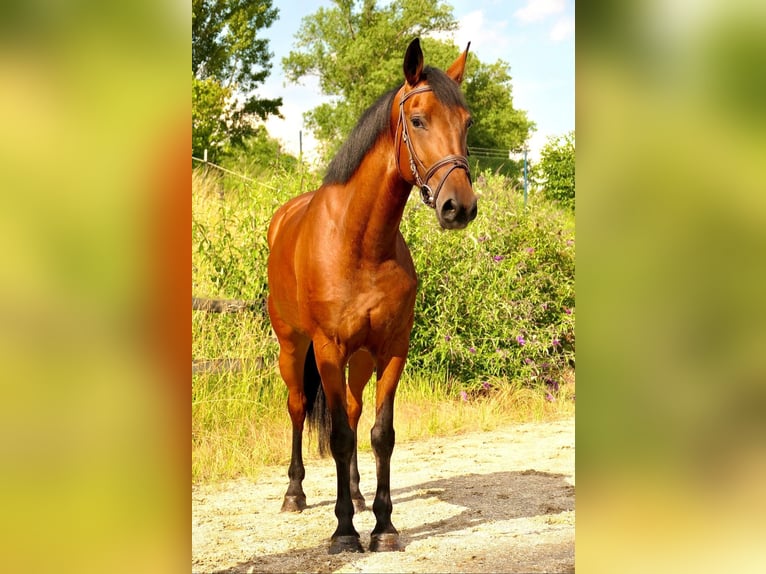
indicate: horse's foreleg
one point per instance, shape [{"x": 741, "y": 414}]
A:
[
  {"x": 331, "y": 365},
  {"x": 384, "y": 536},
  {"x": 360, "y": 368}
]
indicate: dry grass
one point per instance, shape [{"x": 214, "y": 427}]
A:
[{"x": 238, "y": 429}]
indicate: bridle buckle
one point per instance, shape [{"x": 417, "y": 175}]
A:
[{"x": 427, "y": 195}]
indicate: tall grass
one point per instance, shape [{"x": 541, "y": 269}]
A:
[{"x": 507, "y": 279}]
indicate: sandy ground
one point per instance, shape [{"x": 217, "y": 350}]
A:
[{"x": 499, "y": 501}]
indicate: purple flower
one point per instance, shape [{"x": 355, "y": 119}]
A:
[
  {"x": 447, "y": 338},
  {"x": 549, "y": 397},
  {"x": 472, "y": 350},
  {"x": 498, "y": 257},
  {"x": 464, "y": 396},
  {"x": 556, "y": 342},
  {"x": 520, "y": 340},
  {"x": 482, "y": 238},
  {"x": 527, "y": 360},
  {"x": 551, "y": 384},
  {"x": 544, "y": 306},
  {"x": 570, "y": 242},
  {"x": 485, "y": 384},
  {"x": 567, "y": 311},
  {"x": 530, "y": 249}
]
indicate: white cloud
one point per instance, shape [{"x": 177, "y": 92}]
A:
[
  {"x": 475, "y": 28},
  {"x": 535, "y": 10},
  {"x": 563, "y": 30},
  {"x": 489, "y": 38}
]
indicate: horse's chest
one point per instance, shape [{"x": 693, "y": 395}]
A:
[
  {"x": 374, "y": 303},
  {"x": 390, "y": 291}
]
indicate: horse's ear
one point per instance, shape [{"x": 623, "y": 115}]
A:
[
  {"x": 413, "y": 62},
  {"x": 457, "y": 68}
]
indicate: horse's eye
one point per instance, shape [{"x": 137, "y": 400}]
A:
[
  {"x": 469, "y": 123},
  {"x": 417, "y": 122}
]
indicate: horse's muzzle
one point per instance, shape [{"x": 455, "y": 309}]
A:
[{"x": 455, "y": 215}]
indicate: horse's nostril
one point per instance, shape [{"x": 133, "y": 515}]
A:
[
  {"x": 449, "y": 210},
  {"x": 472, "y": 213}
]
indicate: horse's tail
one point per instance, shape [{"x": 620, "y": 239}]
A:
[{"x": 317, "y": 412}]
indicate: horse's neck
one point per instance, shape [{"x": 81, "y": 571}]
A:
[{"x": 375, "y": 199}]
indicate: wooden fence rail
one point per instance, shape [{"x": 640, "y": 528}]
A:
[
  {"x": 224, "y": 365},
  {"x": 222, "y": 305}
]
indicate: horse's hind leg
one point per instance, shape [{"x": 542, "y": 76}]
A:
[
  {"x": 292, "y": 353},
  {"x": 291, "y": 366},
  {"x": 360, "y": 368}
]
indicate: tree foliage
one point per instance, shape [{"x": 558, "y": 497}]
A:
[
  {"x": 355, "y": 49},
  {"x": 261, "y": 155},
  {"x": 210, "y": 120},
  {"x": 489, "y": 94},
  {"x": 557, "y": 169},
  {"x": 229, "y": 62}
]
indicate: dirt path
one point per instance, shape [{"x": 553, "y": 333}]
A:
[{"x": 500, "y": 501}]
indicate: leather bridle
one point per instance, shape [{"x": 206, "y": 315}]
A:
[{"x": 454, "y": 161}]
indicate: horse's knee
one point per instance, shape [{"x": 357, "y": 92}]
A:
[
  {"x": 383, "y": 438},
  {"x": 382, "y": 435}
]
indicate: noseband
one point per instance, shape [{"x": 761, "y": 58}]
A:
[{"x": 454, "y": 161}]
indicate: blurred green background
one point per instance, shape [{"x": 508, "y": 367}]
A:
[
  {"x": 671, "y": 429},
  {"x": 94, "y": 423},
  {"x": 671, "y": 216}
]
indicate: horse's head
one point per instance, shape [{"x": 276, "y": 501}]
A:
[{"x": 432, "y": 122}]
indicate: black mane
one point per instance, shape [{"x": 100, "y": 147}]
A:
[{"x": 375, "y": 120}]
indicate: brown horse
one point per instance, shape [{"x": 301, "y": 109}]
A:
[{"x": 342, "y": 282}]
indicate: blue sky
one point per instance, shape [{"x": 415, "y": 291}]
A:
[{"x": 536, "y": 37}]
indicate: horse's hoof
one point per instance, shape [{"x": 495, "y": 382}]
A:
[
  {"x": 345, "y": 544},
  {"x": 359, "y": 505},
  {"x": 386, "y": 542},
  {"x": 294, "y": 504}
]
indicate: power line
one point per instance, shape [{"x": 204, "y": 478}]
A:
[{"x": 493, "y": 153}]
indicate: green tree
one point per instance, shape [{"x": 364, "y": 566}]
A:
[
  {"x": 209, "y": 116},
  {"x": 229, "y": 62},
  {"x": 556, "y": 169},
  {"x": 498, "y": 125},
  {"x": 355, "y": 49}
]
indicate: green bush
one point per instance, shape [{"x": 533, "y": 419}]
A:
[
  {"x": 495, "y": 300},
  {"x": 556, "y": 168}
]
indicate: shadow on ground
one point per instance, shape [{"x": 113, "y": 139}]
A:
[{"x": 484, "y": 497}]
